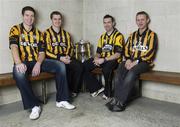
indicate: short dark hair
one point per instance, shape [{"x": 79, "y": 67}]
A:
[
  {"x": 55, "y": 13},
  {"x": 28, "y": 8},
  {"x": 109, "y": 16},
  {"x": 143, "y": 13}
]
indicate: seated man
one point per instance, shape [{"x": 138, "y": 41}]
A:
[
  {"x": 60, "y": 48},
  {"x": 108, "y": 55},
  {"x": 140, "y": 51},
  {"x": 28, "y": 52}
]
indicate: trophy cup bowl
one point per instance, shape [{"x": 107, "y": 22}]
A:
[{"x": 82, "y": 50}]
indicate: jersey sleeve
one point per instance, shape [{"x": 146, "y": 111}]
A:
[
  {"x": 99, "y": 46},
  {"x": 41, "y": 44},
  {"x": 70, "y": 47},
  {"x": 127, "y": 47},
  {"x": 14, "y": 36},
  {"x": 119, "y": 43}
]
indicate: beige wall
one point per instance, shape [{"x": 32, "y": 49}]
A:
[
  {"x": 84, "y": 20},
  {"x": 165, "y": 18}
]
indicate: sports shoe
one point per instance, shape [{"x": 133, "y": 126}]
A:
[
  {"x": 74, "y": 95},
  {"x": 95, "y": 94},
  {"x": 105, "y": 97},
  {"x": 35, "y": 113},
  {"x": 65, "y": 104}
]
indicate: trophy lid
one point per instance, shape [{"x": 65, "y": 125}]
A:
[{"x": 81, "y": 41}]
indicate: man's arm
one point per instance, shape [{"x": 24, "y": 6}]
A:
[
  {"x": 15, "y": 54},
  {"x": 113, "y": 57},
  {"x": 13, "y": 45},
  {"x": 41, "y": 56},
  {"x": 37, "y": 67},
  {"x": 127, "y": 48},
  {"x": 18, "y": 63},
  {"x": 97, "y": 56},
  {"x": 70, "y": 48}
]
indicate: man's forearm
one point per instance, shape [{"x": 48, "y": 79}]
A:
[
  {"x": 97, "y": 55},
  {"x": 15, "y": 54},
  {"x": 113, "y": 57},
  {"x": 41, "y": 57}
]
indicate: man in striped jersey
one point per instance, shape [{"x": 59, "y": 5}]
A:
[
  {"x": 59, "y": 47},
  {"x": 140, "y": 51},
  {"x": 108, "y": 55},
  {"x": 28, "y": 52}
]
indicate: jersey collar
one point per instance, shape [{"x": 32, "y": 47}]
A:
[
  {"x": 111, "y": 32},
  {"x": 22, "y": 26},
  {"x": 55, "y": 31},
  {"x": 144, "y": 33}
]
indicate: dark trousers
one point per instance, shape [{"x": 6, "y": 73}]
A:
[
  {"x": 74, "y": 75},
  {"x": 48, "y": 65},
  {"x": 126, "y": 79},
  {"x": 91, "y": 80}
]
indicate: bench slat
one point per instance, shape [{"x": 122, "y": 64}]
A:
[
  {"x": 7, "y": 79},
  {"x": 156, "y": 76},
  {"x": 161, "y": 76}
]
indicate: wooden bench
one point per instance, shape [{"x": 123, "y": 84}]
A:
[
  {"x": 6, "y": 79},
  {"x": 159, "y": 76},
  {"x": 155, "y": 76}
]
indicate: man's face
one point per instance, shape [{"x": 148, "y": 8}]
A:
[
  {"x": 28, "y": 18},
  {"x": 142, "y": 21},
  {"x": 56, "y": 21},
  {"x": 108, "y": 24}
]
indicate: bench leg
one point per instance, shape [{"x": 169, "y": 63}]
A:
[
  {"x": 140, "y": 88},
  {"x": 99, "y": 76},
  {"x": 83, "y": 88},
  {"x": 110, "y": 84},
  {"x": 44, "y": 93}
]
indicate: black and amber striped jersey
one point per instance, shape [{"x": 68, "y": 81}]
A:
[
  {"x": 111, "y": 44},
  {"x": 141, "y": 47},
  {"x": 29, "y": 43},
  {"x": 58, "y": 44}
]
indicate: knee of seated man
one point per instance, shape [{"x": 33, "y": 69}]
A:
[
  {"x": 79, "y": 67},
  {"x": 107, "y": 71},
  {"x": 19, "y": 75},
  {"x": 85, "y": 66},
  {"x": 131, "y": 75},
  {"x": 60, "y": 67}
]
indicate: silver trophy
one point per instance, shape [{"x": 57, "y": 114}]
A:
[{"x": 83, "y": 50}]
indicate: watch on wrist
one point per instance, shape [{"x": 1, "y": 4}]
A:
[
  {"x": 137, "y": 61},
  {"x": 105, "y": 60}
]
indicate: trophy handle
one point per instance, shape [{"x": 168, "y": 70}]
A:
[
  {"x": 76, "y": 51},
  {"x": 89, "y": 49}
]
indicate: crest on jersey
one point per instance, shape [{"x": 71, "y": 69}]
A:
[
  {"x": 139, "y": 46},
  {"x": 63, "y": 44},
  {"x": 26, "y": 43},
  {"x": 107, "y": 48},
  {"x": 22, "y": 36}
]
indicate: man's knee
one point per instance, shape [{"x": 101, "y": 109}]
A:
[
  {"x": 18, "y": 75},
  {"x": 77, "y": 66},
  {"x": 87, "y": 64},
  {"x": 130, "y": 76},
  {"x": 80, "y": 68},
  {"x": 107, "y": 70},
  {"x": 60, "y": 67}
]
